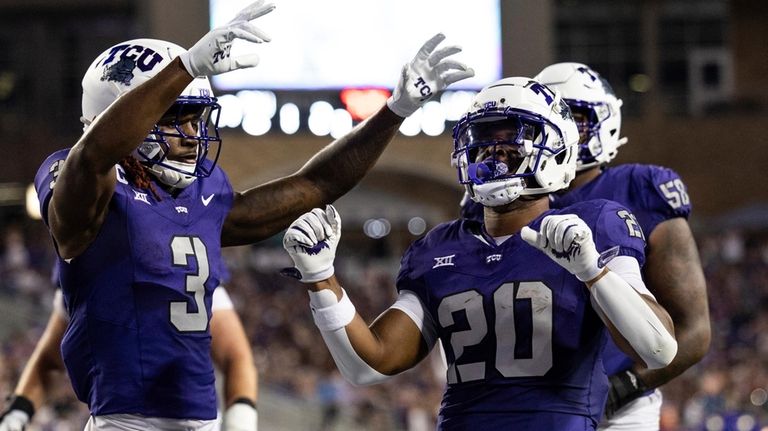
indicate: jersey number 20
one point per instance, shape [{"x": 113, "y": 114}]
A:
[{"x": 471, "y": 302}]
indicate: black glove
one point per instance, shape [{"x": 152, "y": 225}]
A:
[
  {"x": 625, "y": 387},
  {"x": 17, "y": 415}
]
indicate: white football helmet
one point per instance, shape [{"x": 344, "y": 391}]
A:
[
  {"x": 517, "y": 139},
  {"x": 596, "y": 109},
  {"x": 129, "y": 64}
]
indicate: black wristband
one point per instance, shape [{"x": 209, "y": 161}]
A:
[
  {"x": 625, "y": 387},
  {"x": 20, "y": 402},
  {"x": 244, "y": 400}
]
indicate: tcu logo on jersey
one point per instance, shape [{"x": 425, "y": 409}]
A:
[{"x": 127, "y": 57}]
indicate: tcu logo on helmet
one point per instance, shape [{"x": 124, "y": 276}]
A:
[
  {"x": 128, "y": 57},
  {"x": 588, "y": 72},
  {"x": 549, "y": 95}
]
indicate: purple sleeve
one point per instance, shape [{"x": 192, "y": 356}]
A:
[
  {"x": 406, "y": 277},
  {"x": 667, "y": 197},
  {"x": 616, "y": 226},
  {"x": 615, "y": 229},
  {"x": 46, "y": 178}
]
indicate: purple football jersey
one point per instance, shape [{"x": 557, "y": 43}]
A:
[
  {"x": 522, "y": 341},
  {"x": 652, "y": 193},
  {"x": 139, "y": 298}
]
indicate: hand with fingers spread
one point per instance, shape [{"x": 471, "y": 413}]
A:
[
  {"x": 211, "y": 54},
  {"x": 567, "y": 240},
  {"x": 311, "y": 241},
  {"x": 427, "y": 74}
]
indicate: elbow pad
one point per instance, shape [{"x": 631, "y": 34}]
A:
[{"x": 634, "y": 319}]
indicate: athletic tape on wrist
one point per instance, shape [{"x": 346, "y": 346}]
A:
[{"x": 330, "y": 316}]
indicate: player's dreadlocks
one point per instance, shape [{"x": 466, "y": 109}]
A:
[{"x": 137, "y": 174}]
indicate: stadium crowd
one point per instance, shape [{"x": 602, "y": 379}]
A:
[{"x": 728, "y": 390}]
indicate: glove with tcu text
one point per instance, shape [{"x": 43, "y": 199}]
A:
[
  {"x": 626, "y": 386},
  {"x": 311, "y": 241},
  {"x": 567, "y": 240},
  {"x": 241, "y": 416},
  {"x": 210, "y": 55},
  {"x": 18, "y": 414},
  {"x": 426, "y": 75}
]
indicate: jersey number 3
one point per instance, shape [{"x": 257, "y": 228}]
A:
[
  {"x": 539, "y": 340},
  {"x": 183, "y": 320}
]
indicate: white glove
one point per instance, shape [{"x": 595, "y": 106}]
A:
[
  {"x": 311, "y": 241},
  {"x": 210, "y": 55},
  {"x": 567, "y": 240},
  {"x": 240, "y": 417},
  {"x": 426, "y": 75},
  {"x": 14, "y": 420},
  {"x": 17, "y": 415}
]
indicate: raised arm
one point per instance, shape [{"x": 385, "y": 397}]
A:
[
  {"x": 364, "y": 354},
  {"x": 86, "y": 180},
  {"x": 268, "y": 209}
]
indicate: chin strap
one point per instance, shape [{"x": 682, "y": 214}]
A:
[
  {"x": 497, "y": 193},
  {"x": 172, "y": 177}
]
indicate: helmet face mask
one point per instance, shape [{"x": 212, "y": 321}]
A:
[
  {"x": 517, "y": 139},
  {"x": 193, "y": 117},
  {"x": 186, "y": 115},
  {"x": 595, "y": 107}
]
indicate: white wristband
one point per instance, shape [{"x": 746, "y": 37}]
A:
[{"x": 329, "y": 313}]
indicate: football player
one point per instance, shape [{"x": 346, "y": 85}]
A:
[
  {"x": 139, "y": 210},
  {"x": 659, "y": 201},
  {"x": 521, "y": 301},
  {"x": 230, "y": 350}
]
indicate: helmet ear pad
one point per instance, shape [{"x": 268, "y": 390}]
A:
[
  {"x": 584, "y": 90},
  {"x": 125, "y": 66},
  {"x": 533, "y": 121}
]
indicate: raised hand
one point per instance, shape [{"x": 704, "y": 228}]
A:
[
  {"x": 211, "y": 54},
  {"x": 567, "y": 240},
  {"x": 311, "y": 241},
  {"x": 426, "y": 75}
]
